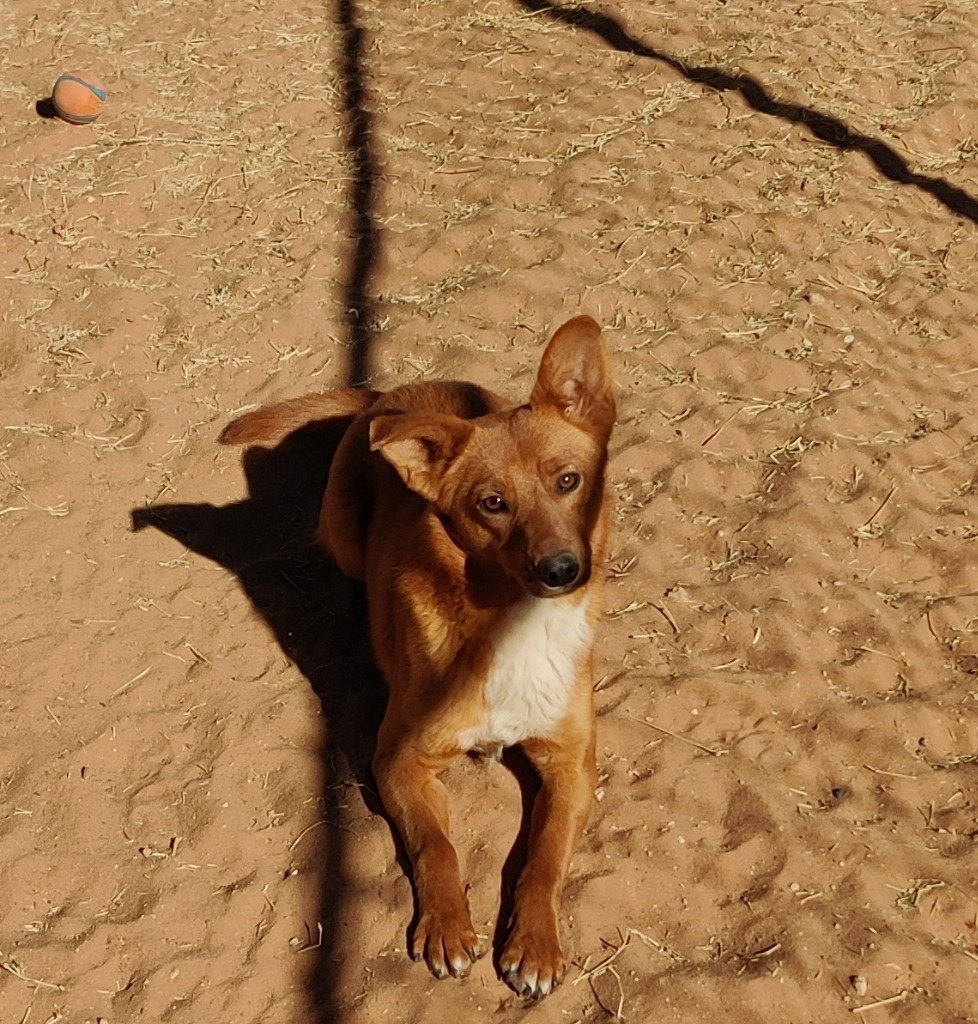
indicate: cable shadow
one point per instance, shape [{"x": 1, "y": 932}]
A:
[
  {"x": 358, "y": 303},
  {"x": 823, "y": 126},
  {"x": 319, "y": 620}
]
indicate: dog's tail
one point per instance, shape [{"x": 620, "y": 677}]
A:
[{"x": 273, "y": 422}]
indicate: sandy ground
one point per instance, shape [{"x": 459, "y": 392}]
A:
[{"x": 773, "y": 210}]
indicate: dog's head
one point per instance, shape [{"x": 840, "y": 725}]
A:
[{"x": 521, "y": 489}]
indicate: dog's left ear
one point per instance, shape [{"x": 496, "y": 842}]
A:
[
  {"x": 421, "y": 447},
  {"x": 575, "y": 378}
]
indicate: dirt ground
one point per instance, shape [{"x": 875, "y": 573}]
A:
[{"x": 772, "y": 209}]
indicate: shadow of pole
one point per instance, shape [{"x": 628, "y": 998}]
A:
[
  {"x": 319, "y": 620},
  {"x": 823, "y": 126},
  {"x": 357, "y": 302},
  {"x": 268, "y": 541}
]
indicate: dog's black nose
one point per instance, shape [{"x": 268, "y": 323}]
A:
[{"x": 559, "y": 571}]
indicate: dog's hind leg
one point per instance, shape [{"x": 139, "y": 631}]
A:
[{"x": 344, "y": 520}]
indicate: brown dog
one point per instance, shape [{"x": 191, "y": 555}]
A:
[{"x": 481, "y": 532}]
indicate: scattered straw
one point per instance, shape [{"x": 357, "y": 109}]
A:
[
  {"x": 14, "y": 968},
  {"x": 900, "y": 997},
  {"x": 713, "y": 751}
]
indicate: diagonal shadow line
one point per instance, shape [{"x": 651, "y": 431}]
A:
[
  {"x": 823, "y": 126},
  {"x": 358, "y": 304}
]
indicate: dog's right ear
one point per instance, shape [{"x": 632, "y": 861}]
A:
[{"x": 421, "y": 447}]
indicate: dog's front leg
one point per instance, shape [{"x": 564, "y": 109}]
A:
[
  {"x": 417, "y": 801},
  {"x": 532, "y": 961}
]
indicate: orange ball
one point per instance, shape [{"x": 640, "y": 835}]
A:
[{"x": 78, "y": 97}]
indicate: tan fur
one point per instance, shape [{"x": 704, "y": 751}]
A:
[
  {"x": 273, "y": 422},
  {"x": 481, "y": 531}
]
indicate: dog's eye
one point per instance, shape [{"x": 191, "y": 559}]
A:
[
  {"x": 568, "y": 482},
  {"x": 493, "y": 505}
]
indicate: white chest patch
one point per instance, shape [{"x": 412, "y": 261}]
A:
[{"x": 532, "y": 672}]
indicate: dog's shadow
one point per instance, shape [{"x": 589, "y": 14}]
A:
[
  {"x": 319, "y": 619},
  {"x": 268, "y": 541}
]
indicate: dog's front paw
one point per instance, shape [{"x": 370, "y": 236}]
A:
[
  {"x": 447, "y": 941},
  {"x": 532, "y": 962}
]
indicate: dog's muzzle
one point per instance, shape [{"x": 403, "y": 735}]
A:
[{"x": 558, "y": 573}]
